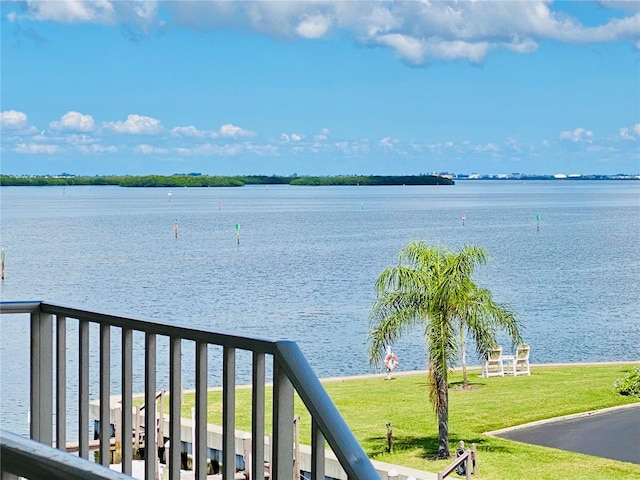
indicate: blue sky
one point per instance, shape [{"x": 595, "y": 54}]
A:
[{"x": 320, "y": 88}]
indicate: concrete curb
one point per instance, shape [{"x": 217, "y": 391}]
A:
[{"x": 496, "y": 433}]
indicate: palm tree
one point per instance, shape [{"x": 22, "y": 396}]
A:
[{"x": 432, "y": 286}]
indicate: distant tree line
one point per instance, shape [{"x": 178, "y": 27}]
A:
[
  {"x": 9, "y": 180},
  {"x": 374, "y": 180},
  {"x": 196, "y": 180}
]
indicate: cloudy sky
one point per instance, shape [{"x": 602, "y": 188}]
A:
[{"x": 320, "y": 87}]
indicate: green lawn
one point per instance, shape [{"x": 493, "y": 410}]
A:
[{"x": 491, "y": 404}]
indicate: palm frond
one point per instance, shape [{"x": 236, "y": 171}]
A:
[
  {"x": 392, "y": 315},
  {"x": 433, "y": 286}
]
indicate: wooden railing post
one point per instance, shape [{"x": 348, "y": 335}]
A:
[
  {"x": 468, "y": 459},
  {"x": 474, "y": 457}
]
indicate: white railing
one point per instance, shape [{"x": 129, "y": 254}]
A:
[{"x": 291, "y": 373}]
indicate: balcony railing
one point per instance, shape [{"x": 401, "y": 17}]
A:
[{"x": 49, "y": 400}]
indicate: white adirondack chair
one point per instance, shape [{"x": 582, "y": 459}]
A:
[
  {"x": 492, "y": 366},
  {"x": 519, "y": 364}
]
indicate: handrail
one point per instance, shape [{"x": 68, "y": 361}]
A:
[
  {"x": 291, "y": 372},
  {"x": 468, "y": 458},
  {"x": 243, "y": 342},
  {"x": 322, "y": 408},
  {"x": 30, "y": 459}
]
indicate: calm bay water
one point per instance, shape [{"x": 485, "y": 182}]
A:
[{"x": 308, "y": 258}]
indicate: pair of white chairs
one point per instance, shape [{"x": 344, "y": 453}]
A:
[{"x": 517, "y": 364}]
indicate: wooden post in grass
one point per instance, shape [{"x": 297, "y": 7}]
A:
[
  {"x": 117, "y": 454},
  {"x": 161, "y": 419},
  {"x": 296, "y": 452},
  {"x": 389, "y": 438},
  {"x": 136, "y": 440},
  {"x": 474, "y": 457}
]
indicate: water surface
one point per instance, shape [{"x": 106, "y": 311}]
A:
[{"x": 308, "y": 258}]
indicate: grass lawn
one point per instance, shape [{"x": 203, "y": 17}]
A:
[{"x": 491, "y": 404}]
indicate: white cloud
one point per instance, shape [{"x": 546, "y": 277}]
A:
[
  {"x": 514, "y": 144},
  {"x": 96, "y": 148},
  {"x": 189, "y": 131},
  {"x": 361, "y": 146},
  {"x": 458, "y": 49},
  {"x": 422, "y": 31},
  {"x": 628, "y": 134},
  {"x": 627, "y": 5},
  {"x": 387, "y": 143},
  {"x": 267, "y": 150},
  {"x": 137, "y": 15},
  {"x": 323, "y": 135},
  {"x": 37, "y": 148},
  {"x": 409, "y": 48},
  {"x": 184, "y": 151},
  {"x": 489, "y": 147},
  {"x": 230, "y": 130},
  {"x": 625, "y": 135},
  {"x": 342, "y": 145},
  {"x": 75, "y": 139},
  {"x": 369, "y": 21},
  {"x": 526, "y": 45},
  {"x": 136, "y": 125},
  {"x": 73, "y": 121},
  {"x": 595, "y": 148},
  {"x": 313, "y": 26},
  {"x": 71, "y": 11},
  {"x": 209, "y": 149},
  {"x": 13, "y": 120},
  {"x": 293, "y": 137},
  {"x": 65, "y": 138},
  {"x": 577, "y": 135},
  {"x": 146, "y": 149},
  {"x": 145, "y": 10},
  {"x": 418, "y": 31}
]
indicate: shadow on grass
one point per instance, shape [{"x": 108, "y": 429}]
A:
[
  {"x": 427, "y": 446},
  {"x": 423, "y": 446},
  {"x": 457, "y": 385}
]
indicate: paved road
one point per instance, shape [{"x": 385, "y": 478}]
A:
[{"x": 614, "y": 434}]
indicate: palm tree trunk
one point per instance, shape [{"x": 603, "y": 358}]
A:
[
  {"x": 443, "y": 418},
  {"x": 463, "y": 349}
]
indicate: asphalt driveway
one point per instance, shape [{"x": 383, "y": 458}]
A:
[{"x": 612, "y": 434}]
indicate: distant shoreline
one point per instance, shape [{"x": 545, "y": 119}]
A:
[{"x": 198, "y": 180}]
